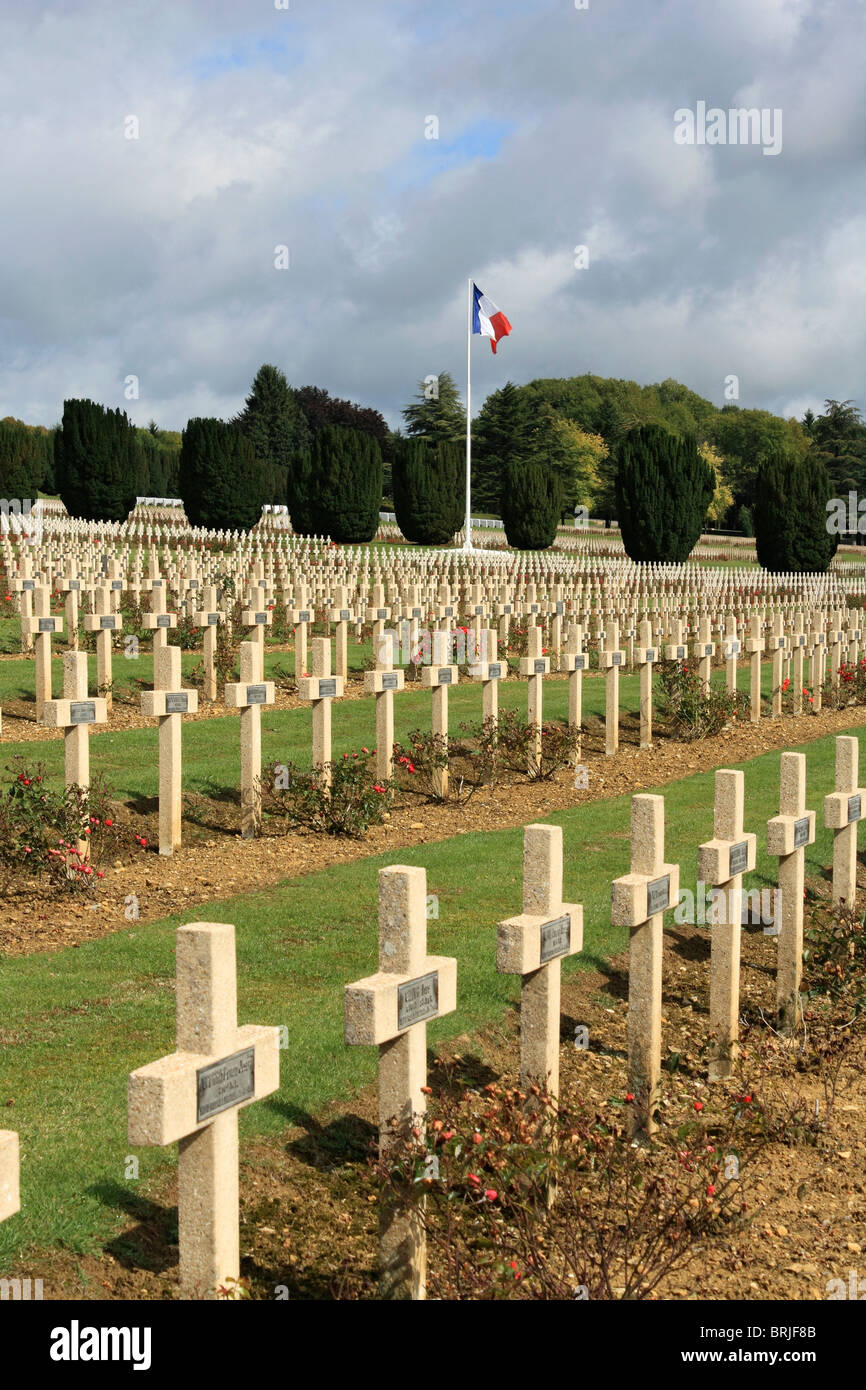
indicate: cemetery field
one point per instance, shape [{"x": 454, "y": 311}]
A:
[
  {"x": 213, "y": 859},
  {"x": 77, "y": 1021}
]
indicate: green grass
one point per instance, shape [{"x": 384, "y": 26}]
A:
[{"x": 74, "y": 1023}]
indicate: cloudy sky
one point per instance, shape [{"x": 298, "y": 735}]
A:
[{"x": 307, "y": 128}]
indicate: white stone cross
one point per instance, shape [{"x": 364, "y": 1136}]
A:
[
  {"x": 390, "y": 1010},
  {"x": 533, "y": 946},
  {"x": 644, "y": 656},
  {"x": 209, "y": 617},
  {"x": 104, "y": 623},
  {"x": 74, "y": 714},
  {"x": 611, "y": 658},
  {"x": 788, "y": 834},
  {"x": 534, "y": 666},
  {"x": 722, "y": 862},
  {"x": 248, "y": 695},
  {"x": 843, "y": 808},
  {"x": 321, "y": 688},
  {"x": 41, "y": 626},
  {"x": 168, "y": 703},
  {"x": 438, "y": 677},
  {"x": 639, "y": 900},
  {"x": 382, "y": 682},
  {"x": 192, "y": 1098},
  {"x": 10, "y": 1169},
  {"x": 755, "y": 646},
  {"x": 158, "y": 621},
  {"x": 489, "y": 670}
]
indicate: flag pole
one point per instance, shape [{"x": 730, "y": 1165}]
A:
[{"x": 467, "y": 540}]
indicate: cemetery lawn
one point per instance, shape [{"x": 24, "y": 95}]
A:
[{"x": 74, "y": 1023}]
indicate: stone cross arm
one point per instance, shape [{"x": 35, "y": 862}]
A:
[
  {"x": 843, "y": 808},
  {"x": 242, "y": 694},
  {"x": 65, "y": 714},
  {"x": 39, "y": 624},
  {"x": 526, "y": 942},
  {"x": 158, "y": 703},
  {"x": 180, "y": 1094},
  {"x": 637, "y": 897},
  {"x": 377, "y": 681},
  {"x": 381, "y": 1007},
  {"x": 787, "y": 833},
  {"x": 109, "y": 622},
  {"x": 721, "y": 860},
  {"x": 320, "y": 687},
  {"x": 10, "y": 1196}
]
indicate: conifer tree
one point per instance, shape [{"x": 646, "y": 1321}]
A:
[
  {"x": 428, "y": 494},
  {"x": 337, "y": 487},
  {"x": 790, "y": 514},
  {"x": 222, "y": 483},
  {"x": 531, "y": 505},
  {"x": 663, "y": 490}
]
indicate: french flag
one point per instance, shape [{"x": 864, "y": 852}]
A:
[{"x": 487, "y": 320}]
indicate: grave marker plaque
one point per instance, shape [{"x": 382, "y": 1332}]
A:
[
  {"x": 418, "y": 1000},
  {"x": 555, "y": 938},
  {"x": 224, "y": 1084}
]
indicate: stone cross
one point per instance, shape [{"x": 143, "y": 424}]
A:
[
  {"x": 342, "y": 615},
  {"x": 378, "y": 613},
  {"x": 573, "y": 660},
  {"x": 25, "y": 586},
  {"x": 158, "y": 620},
  {"x": 533, "y": 946},
  {"x": 40, "y": 627},
  {"x": 390, "y": 1010},
  {"x": 676, "y": 649},
  {"x": 74, "y": 714},
  {"x": 722, "y": 862},
  {"x": 611, "y": 659},
  {"x": 754, "y": 646},
  {"x": 258, "y": 619},
  {"x": 503, "y": 610},
  {"x": 168, "y": 703},
  {"x": 104, "y": 623},
  {"x": 301, "y": 617},
  {"x": 788, "y": 834},
  {"x": 798, "y": 640},
  {"x": 704, "y": 651},
  {"x": 778, "y": 644},
  {"x": 645, "y": 655},
  {"x": 535, "y": 667},
  {"x": 10, "y": 1168},
  {"x": 843, "y": 808},
  {"x": 732, "y": 652},
  {"x": 382, "y": 682},
  {"x": 489, "y": 671},
  {"x": 208, "y": 617},
  {"x": 72, "y": 588},
  {"x": 817, "y": 642},
  {"x": 321, "y": 688},
  {"x": 438, "y": 677},
  {"x": 835, "y": 637},
  {"x": 192, "y": 1098},
  {"x": 248, "y": 695},
  {"x": 639, "y": 901},
  {"x": 854, "y": 633}
]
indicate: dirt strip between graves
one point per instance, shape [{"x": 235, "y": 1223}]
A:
[{"x": 216, "y": 863}]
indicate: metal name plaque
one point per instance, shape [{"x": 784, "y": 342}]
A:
[
  {"x": 106, "y": 620},
  {"x": 533, "y": 607},
  {"x": 681, "y": 651},
  {"x": 177, "y": 702},
  {"x": 224, "y": 1084},
  {"x": 478, "y": 609},
  {"x": 658, "y": 895},
  {"x": 555, "y": 938},
  {"x": 445, "y": 675},
  {"x": 801, "y": 832},
  {"x": 732, "y": 649},
  {"x": 416, "y": 613},
  {"x": 506, "y": 608},
  {"x": 304, "y": 617},
  {"x": 381, "y": 613},
  {"x": 448, "y": 612},
  {"x": 708, "y": 649},
  {"x": 494, "y": 671},
  {"x": 580, "y": 662},
  {"x": 854, "y": 811},
  {"x": 192, "y": 583},
  {"x": 213, "y": 619},
  {"x": 345, "y": 615},
  {"x": 539, "y": 665},
  {"x": 82, "y": 712},
  {"x": 650, "y": 654},
  {"x": 156, "y": 583},
  {"x": 738, "y": 858},
  {"x": 616, "y": 658},
  {"x": 418, "y": 1000},
  {"x": 327, "y": 688},
  {"x": 801, "y": 639},
  {"x": 28, "y": 583},
  {"x": 46, "y": 624},
  {"x": 74, "y": 584},
  {"x": 117, "y": 583},
  {"x": 389, "y": 680},
  {"x": 163, "y": 620},
  {"x": 261, "y": 617},
  {"x": 559, "y": 607},
  {"x": 257, "y": 694}
]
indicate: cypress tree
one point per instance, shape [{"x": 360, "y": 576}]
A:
[
  {"x": 790, "y": 514},
  {"x": 531, "y": 504},
  {"x": 663, "y": 490},
  {"x": 501, "y": 434},
  {"x": 339, "y": 486},
  {"x": 428, "y": 497},
  {"x": 97, "y": 462},
  {"x": 274, "y": 423},
  {"x": 221, "y": 481}
]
